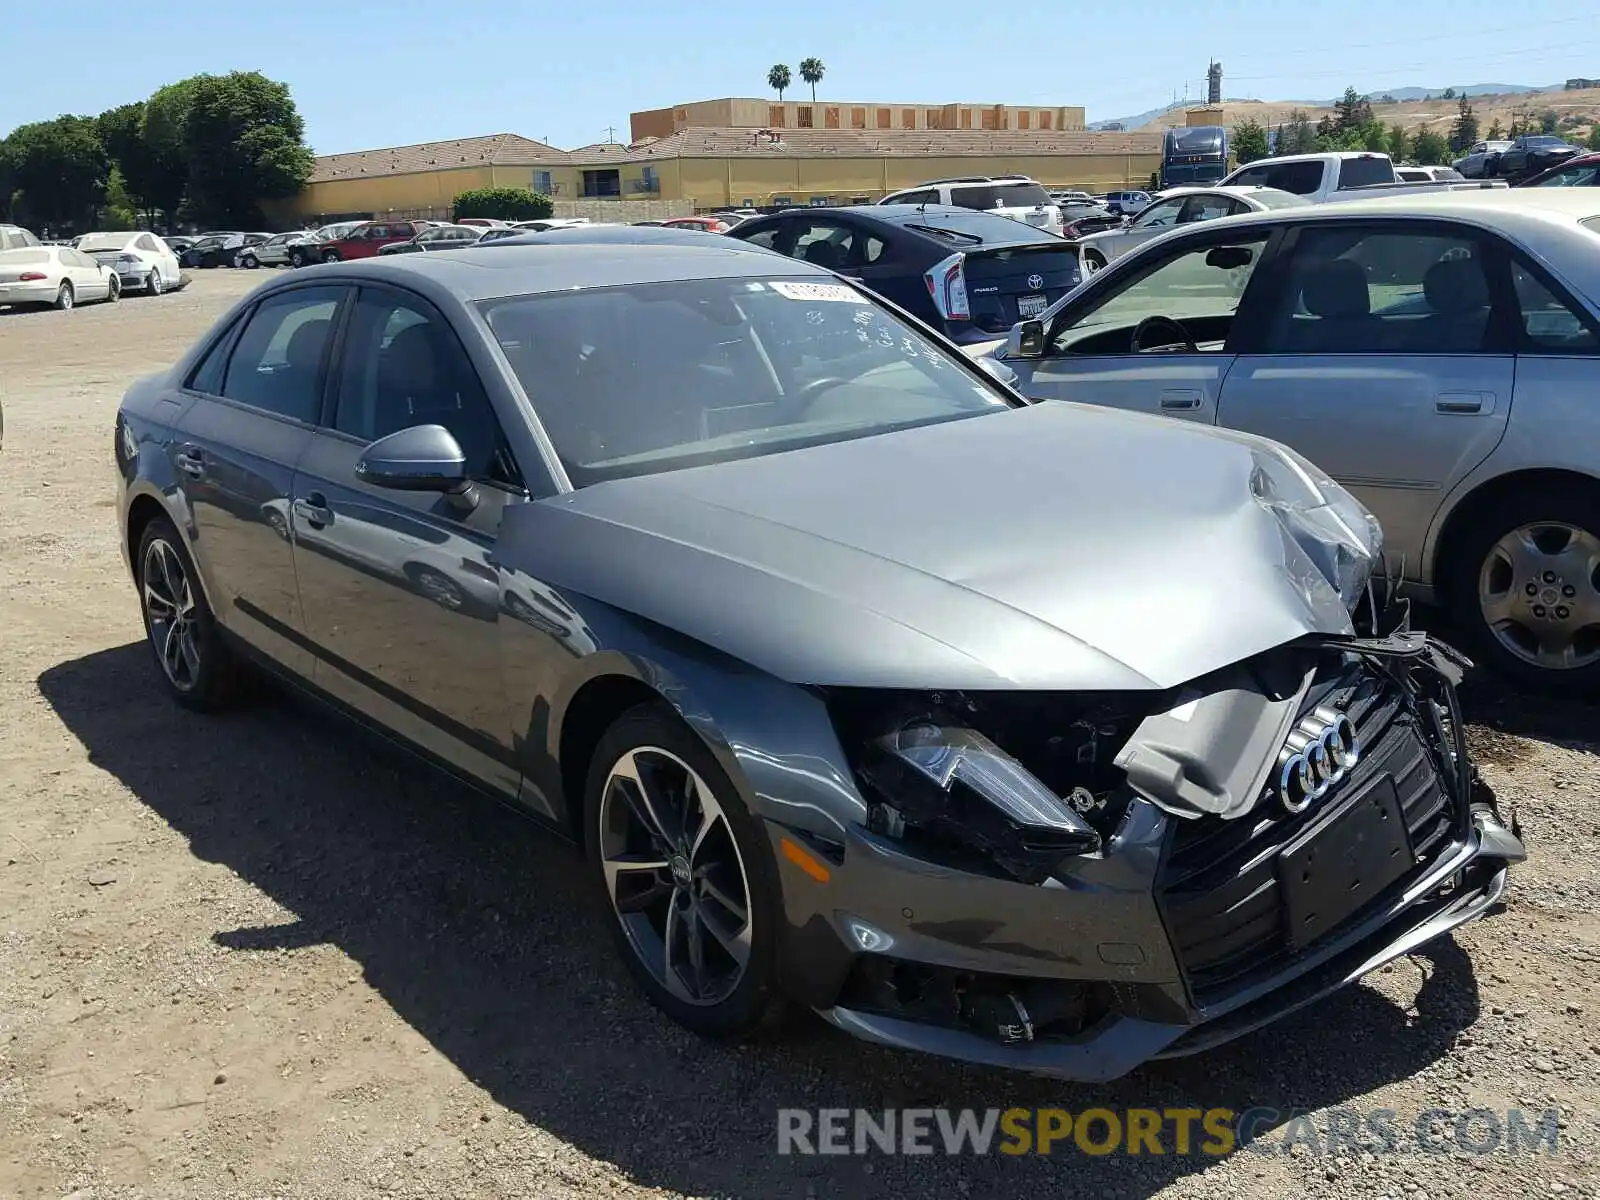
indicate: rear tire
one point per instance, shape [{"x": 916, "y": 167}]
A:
[
  {"x": 115, "y": 292},
  {"x": 332, "y": 256},
  {"x": 1093, "y": 261},
  {"x": 198, "y": 668},
  {"x": 1518, "y": 544},
  {"x": 65, "y": 297},
  {"x": 297, "y": 258},
  {"x": 156, "y": 285}
]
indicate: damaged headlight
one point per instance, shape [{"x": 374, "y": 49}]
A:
[
  {"x": 954, "y": 783},
  {"x": 1340, "y": 537}
]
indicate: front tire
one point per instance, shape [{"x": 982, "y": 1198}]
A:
[
  {"x": 114, "y": 290},
  {"x": 250, "y": 261},
  {"x": 332, "y": 256},
  {"x": 297, "y": 259},
  {"x": 199, "y": 670},
  {"x": 684, "y": 870},
  {"x": 1524, "y": 585}
]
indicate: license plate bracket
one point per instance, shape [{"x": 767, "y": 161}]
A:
[
  {"x": 1031, "y": 306},
  {"x": 1342, "y": 861}
]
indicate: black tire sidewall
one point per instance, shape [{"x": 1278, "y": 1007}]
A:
[
  {"x": 756, "y": 1002},
  {"x": 215, "y": 683},
  {"x": 66, "y": 296},
  {"x": 1577, "y": 506}
]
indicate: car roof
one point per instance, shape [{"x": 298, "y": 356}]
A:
[{"x": 470, "y": 275}]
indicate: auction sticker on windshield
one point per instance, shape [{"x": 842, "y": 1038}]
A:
[{"x": 819, "y": 291}]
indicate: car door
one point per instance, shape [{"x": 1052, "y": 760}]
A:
[
  {"x": 401, "y": 589},
  {"x": 1385, "y": 359},
  {"x": 256, "y": 398},
  {"x": 1201, "y": 282},
  {"x": 88, "y": 280}
]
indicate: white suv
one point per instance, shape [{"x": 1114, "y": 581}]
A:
[{"x": 1015, "y": 196}]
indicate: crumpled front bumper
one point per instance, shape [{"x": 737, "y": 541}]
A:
[{"x": 1104, "y": 925}]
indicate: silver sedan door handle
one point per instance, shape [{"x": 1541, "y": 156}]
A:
[
  {"x": 1456, "y": 403},
  {"x": 191, "y": 462},
  {"x": 1181, "y": 399}
]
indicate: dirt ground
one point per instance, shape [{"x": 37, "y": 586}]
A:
[{"x": 261, "y": 956}]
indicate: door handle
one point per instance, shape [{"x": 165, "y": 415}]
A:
[
  {"x": 1463, "y": 402},
  {"x": 313, "y": 510},
  {"x": 1181, "y": 399},
  {"x": 191, "y": 462}
]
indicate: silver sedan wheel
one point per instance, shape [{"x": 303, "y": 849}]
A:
[
  {"x": 674, "y": 875},
  {"x": 170, "y": 614},
  {"x": 1539, "y": 590}
]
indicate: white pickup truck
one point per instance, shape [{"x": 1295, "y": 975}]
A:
[{"x": 1338, "y": 175}]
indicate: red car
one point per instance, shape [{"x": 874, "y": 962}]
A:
[
  {"x": 364, "y": 241},
  {"x": 1581, "y": 170},
  {"x": 705, "y": 224}
]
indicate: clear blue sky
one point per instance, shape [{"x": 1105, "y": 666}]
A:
[{"x": 368, "y": 75}]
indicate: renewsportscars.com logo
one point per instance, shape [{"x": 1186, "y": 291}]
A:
[{"x": 1212, "y": 1132}]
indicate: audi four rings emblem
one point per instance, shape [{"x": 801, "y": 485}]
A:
[
  {"x": 1036, "y": 282},
  {"x": 1317, "y": 754}
]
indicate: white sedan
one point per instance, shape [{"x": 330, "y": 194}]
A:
[
  {"x": 1175, "y": 207},
  {"x": 56, "y": 276},
  {"x": 140, "y": 259}
]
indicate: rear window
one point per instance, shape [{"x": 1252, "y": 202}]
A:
[
  {"x": 1363, "y": 172},
  {"x": 975, "y": 228},
  {"x": 1591, "y": 223},
  {"x": 1020, "y": 195},
  {"x": 104, "y": 241},
  {"x": 24, "y": 256}
]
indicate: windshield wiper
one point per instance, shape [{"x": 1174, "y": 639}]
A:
[{"x": 952, "y": 234}]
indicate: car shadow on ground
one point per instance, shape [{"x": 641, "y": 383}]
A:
[{"x": 480, "y": 930}]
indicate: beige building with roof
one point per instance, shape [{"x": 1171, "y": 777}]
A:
[{"x": 727, "y": 164}]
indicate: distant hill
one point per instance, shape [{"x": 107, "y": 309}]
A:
[{"x": 1401, "y": 93}]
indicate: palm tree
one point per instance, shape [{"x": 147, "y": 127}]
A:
[
  {"x": 812, "y": 70},
  {"x": 779, "y": 78}
]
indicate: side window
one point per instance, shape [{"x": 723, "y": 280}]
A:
[
  {"x": 1200, "y": 287},
  {"x": 404, "y": 366},
  {"x": 147, "y": 243},
  {"x": 275, "y": 364},
  {"x": 923, "y": 197},
  {"x": 872, "y": 248},
  {"x": 766, "y": 238},
  {"x": 1207, "y": 208},
  {"x": 823, "y": 244},
  {"x": 1549, "y": 325},
  {"x": 1382, "y": 291},
  {"x": 1577, "y": 175},
  {"x": 207, "y": 374},
  {"x": 1160, "y": 216},
  {"x": 1251, "y": 177}
]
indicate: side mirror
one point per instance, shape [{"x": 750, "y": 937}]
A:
[
  {"x": 1026, "y": 340},
  {"x": 424, "y": 458}
]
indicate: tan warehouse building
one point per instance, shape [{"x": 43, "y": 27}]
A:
[{"x": 734, "y": 152}]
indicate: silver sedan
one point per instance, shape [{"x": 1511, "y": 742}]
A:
[
  {"x": 1438, "y": 355},
  {"x": 1176, "y": 207}
]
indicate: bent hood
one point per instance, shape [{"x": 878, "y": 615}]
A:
[{"x": 1053, "y": 547}]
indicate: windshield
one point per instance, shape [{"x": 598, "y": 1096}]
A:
[
  {"x": 654, "y": 377},
  {"x": 1182, "y": 173},
  {"x": 1582, "y": 175},
  {"x": 104, "y": 241},
  {"x": 976, "y": 228},
  {"x": 24, "y": 256},
  {"x": 1538, "y": 143}
]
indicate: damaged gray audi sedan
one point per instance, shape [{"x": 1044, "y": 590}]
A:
[{"x": 1045, "y": 736}]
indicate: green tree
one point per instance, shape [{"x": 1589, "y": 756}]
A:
[
  {"x": 1296, "y": 135},
  {"x": 1249, "y": 141},
  {"x": 1375, "y": 137},
  {"x": 506, "y": 203},
  {"x": 812, "y": 71},
  {"x": 121, "y": 132},
  {"x": 166, "y": 115},
  {"x": 1399, "y": 145},
  {"x": 120, "y": 211},
  {"x": 59, "y": 168},
  {"x": 1549, "y": 120},
  {"x": 1465, "y": 131},
  {"x": 1449, "y": 94},
  {"x": 1430, "y": 149},
  {"x": 1496, "y": 131},
  {"x": 245, "y": 142},
  {"x": 1593, "y": 144},
  {"x": 779, "y": 79},
  {"x": 1351, "y": 111}
]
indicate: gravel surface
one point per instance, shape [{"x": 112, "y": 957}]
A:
[{"x": 261, "y": 956}]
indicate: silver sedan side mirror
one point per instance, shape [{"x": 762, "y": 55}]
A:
[{"x": 1026, "y": 340}]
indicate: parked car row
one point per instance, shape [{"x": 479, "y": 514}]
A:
[
  {"x": 1515, "y": 159},
  {"x": 1039, "y": 735},
  {"x": 98, "y": 267}
]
